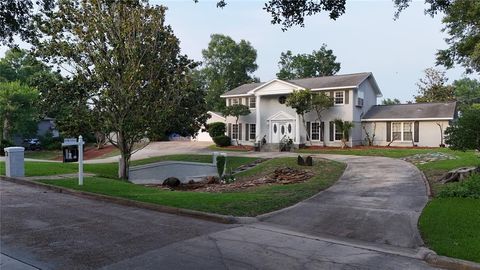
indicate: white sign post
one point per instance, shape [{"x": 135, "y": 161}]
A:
[{"x": 80, "y": 160}]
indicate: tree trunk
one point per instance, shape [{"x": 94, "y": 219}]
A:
[
  {"x": 124, "y": 162},
  {"x": 5, "y": 129},
  {"x": 123, "y": 167}
]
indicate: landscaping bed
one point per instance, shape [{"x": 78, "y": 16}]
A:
[
  {"x": 281, "y": 175},
  {"x": 251, "y": 201},
  {"x": 235, "y": 148},
  {"x": 384, "y": 151}
]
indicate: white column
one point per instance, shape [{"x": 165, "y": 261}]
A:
[
  {"x": 258, "y": 126},
  {"x": 297, "y": 129},
  {"x": 80, "y": 160}
]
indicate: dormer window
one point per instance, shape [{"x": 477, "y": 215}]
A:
[{"x": 339, "y": 97}]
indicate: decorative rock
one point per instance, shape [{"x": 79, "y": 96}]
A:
[
  {"x": 300, "y": 161},
  {"x": 171, "y": 182},
  {"x": 309, "y": 161},
  {"x": 428, "y": 157}
]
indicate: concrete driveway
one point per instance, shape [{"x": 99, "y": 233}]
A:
[
  {"x": 47, "y": 230},
  {"x": 376, "y": 200}
]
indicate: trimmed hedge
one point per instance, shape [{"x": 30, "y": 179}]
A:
[
  {"x": 216, "y": 129},
  {"x": 222, "y": 140}
]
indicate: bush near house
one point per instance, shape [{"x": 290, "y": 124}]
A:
[
  {"x": 222, "y": 140},
  {"x": 216, "y": 129}
]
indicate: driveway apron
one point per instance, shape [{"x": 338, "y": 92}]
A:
[{"x": 377, "y": 200}]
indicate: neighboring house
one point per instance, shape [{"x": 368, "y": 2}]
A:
[
  {"x": 354, "y": 95},
  {"x": 44, "y": 127},
  {"x": 421, "y": 124},
  {"x": 203, "y": 135}
]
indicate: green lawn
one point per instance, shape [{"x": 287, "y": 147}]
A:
[
  {"x": 110, "y": 170},
  {"x": 378, "y": 151},
  {"x": 451, "y": 227},
  {"x": 43, "y": 154},
  {"x": 249, "y": 202}
]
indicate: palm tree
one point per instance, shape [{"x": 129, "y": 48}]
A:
[{"x": 344, "y": 127}]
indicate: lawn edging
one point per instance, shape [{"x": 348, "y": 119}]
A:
[
  {"x": 450, "y": 263},
  {"x": 132, "y": 203}
]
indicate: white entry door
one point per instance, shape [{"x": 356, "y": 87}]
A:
[{"x": 282, "y": 129}]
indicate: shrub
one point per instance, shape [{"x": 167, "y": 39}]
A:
[
  {"x": 4, "y": 144},
  {"x": 222, "y": 140},
  {"x": 468, "y": 188},
  {"x": 48, "y": 142},
  {"x": 216, "y": 129}
]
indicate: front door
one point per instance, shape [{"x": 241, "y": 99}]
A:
[{"x": 282, "y": 129}]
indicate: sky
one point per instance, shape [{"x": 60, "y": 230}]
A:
[{"x": 365, "y": 39}]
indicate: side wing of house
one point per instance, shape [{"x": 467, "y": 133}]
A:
[{"x": 407, "y": 125}]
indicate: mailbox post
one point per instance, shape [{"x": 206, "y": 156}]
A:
[{"x": 73, "y": 152}]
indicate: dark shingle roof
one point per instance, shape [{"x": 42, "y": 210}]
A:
[
  {"x": 312, "y": 83},
  {"x": 412, "y": 111}
]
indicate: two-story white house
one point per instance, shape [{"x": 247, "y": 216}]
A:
[{"x": 354, "y": 95}]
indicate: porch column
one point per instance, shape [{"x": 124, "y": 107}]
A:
[
  {"x": 257, "y": 120},
  {"x": 297, "y": 129}
]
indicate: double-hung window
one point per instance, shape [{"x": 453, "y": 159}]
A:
[
  {"x": 251, "y": 103},
  {"x": 235, "y": 101},
  {"x": 402, "y": 131},
  {"x": 235, "y": 131},
  {"x": 338, "y": 134},
  {"x": 339, "y": 97},
  {"x": 253, "y": 131},
  {"x": 315, "y": 130}
]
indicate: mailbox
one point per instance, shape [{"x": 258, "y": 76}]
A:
[{"x": 70, "y": 150}]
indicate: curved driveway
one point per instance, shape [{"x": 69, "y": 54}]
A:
[{"x": 376, "y": 200}]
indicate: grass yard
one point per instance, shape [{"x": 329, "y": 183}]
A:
[
  {"x": 250, "y": 202},
  {"x": 451, "y": 227},
  {"x": 374, "y": 151},
  {"x": 110, "y": 170},
  {"x": 43, "y": 154}
]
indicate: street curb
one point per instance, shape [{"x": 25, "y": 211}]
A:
[
  {"x": 427, "y": 184},
  {"x": 126, "y": 202},
  {"x": 450, "y": 263}
]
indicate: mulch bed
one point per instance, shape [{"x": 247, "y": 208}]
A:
[
  {"x": 280, "y": 176},
  {"x": 239, "y": 147},
  {"x": 93, "y": 152}
]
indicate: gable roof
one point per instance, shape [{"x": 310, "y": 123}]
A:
[
  {"x": 431, "y": 111},
  {"x": 317, "y": 83}
]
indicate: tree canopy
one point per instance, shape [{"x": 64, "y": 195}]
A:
[
  {"x": 467, "y": 91},
  {"x": 434, "y": 88},
  {"x": 18, "y": 113},
  {"x": 226, "y": 65},
  {"x": 128, "y": 60},
  {"x": 389, "y": 101},
  {"x": 318, "y": 63},
  {"x": 464, "y": 134}
]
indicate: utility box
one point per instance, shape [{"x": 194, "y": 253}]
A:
[
  {"x": 70, "y": 150},
  {"x": 14, "y": 162}
]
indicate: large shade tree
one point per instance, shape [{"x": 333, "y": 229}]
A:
[
  {"x": 131, "y": 57},
  {"x": 434, "y": 88},
  {"x": 226, "y": 65},
  {"x": 464, "y": 134},
  {"x": 318, "y": 63},
  {"x": 18, "y": 113}
]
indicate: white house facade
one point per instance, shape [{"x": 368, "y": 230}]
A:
[{"x": 272, "y": 122}]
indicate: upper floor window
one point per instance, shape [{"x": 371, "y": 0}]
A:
[
  {"x": 339, "y": 97},
  {"x": 252, "y": 103},
  {"x": 234, "y": 101}
]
